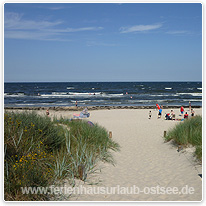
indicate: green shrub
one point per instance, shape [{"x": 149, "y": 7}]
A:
[
  {"x": 188, "y": 132},
  {"x": 39, "y": 151}
]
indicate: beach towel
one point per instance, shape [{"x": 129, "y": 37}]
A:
[{"x": 83, "y": 114}]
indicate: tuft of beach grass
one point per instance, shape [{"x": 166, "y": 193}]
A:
[
  {"x": 188, "y": 132},
  {"x": 39, "y": 151}
]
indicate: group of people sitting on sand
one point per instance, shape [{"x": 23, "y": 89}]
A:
[
  {"x": 186, "y": 114},
  {"x": 171, "y": 114}
]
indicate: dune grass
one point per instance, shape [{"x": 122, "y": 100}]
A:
[
  {"x": 188, "y": 132},
  {"x": 39, "y": 151}
]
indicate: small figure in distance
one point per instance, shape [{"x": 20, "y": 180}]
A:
[
  {"x": 76, "y": 103},
  {"x": 150, "y": 114},
  {"x": 47, "y": 112},
  {"x": 189, "y": 106},
  {"x": 167, "y": 116},
  {"x": 182, "y": 110},
  {"x": 192, "y": 112},
  {"x": 172, "y": 114},
  {"x": 186, "y": 115},
  {"x": 160, "y": 113}
]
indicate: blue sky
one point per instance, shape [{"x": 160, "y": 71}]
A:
[{"x": 102, "y": 42}]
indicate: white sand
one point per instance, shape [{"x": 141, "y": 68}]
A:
[{"x": 144, "y": 160}]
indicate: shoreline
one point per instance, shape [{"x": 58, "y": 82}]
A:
[{"x": 80, "y": 108}]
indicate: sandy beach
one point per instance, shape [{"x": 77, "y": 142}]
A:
[{"x": 144, "y": 160}]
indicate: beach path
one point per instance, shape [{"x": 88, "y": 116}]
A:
[{"x": 144, "y": 160}]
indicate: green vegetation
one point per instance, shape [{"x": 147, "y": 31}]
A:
[
  {"x": 39, "y": 151},
  {"x": 188, "y": 132}
]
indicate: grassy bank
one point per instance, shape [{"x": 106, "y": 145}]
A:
[
  {"x": 39, "y": 151},
  {"x": 188, "y": 132}
]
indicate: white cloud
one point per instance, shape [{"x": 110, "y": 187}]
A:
[
  {"x": 14, "y": 21},
  {"x": 139, "y": 28},
  {"x": 75, "y": 29},
  {"x": 38, "y": 35},
  {"x": 18, "y": 28},
  {"x": 57, "y": 8},
  {"x": 178, "y": 32},
  {"x": 24, "y": 35}
]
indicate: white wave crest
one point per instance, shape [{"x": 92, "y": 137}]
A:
[{"x": 192, "y": 94}]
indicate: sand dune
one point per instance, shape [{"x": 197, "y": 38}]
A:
[{"x": 144, "y": 160}]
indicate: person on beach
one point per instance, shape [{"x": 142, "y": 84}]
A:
[
  {"x": 47, "y": 112},
  {"x": 150, "y": 114},
  {"x": 160, "y": 113},
  {"x": 167, "y": 116},
  {"x": 186, "y": 116},
  {"x": 172, "y": 114},
  {"x": 192, "y": 112},
  {"x": 76, "y": 103},
  {"x": 182, "y": 110},
  {"x": 189, "y": 106}
]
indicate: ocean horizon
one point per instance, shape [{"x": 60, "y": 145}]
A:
[{"x": 145, "y": 93}]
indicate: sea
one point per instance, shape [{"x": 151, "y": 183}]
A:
[{"x": 63, "y": 94}]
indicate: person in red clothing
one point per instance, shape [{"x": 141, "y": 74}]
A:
[
  {"x": 182, "y": 110},
  {"x": 186, "y": 116},
  {"x": 168, "y": 117}
]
